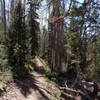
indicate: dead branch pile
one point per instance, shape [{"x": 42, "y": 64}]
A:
[{"x": 81, "y": 91}]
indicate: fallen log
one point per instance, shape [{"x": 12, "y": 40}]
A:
[
  {"x": 82, "y": 91},
  {"x": 67, "y": 96},
  {"x": 70, "y": 97},
  {"x": 87, "y": 84},
  {"x": 72, "y": 93},
  {"x": 69, "y": 91}
]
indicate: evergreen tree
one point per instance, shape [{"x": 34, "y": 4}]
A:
[
  {"x": 17, "y": 39},
  {"x": 33, "y": 27}
]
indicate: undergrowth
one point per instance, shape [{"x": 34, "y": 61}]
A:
[{"x": 53, "y": 76}]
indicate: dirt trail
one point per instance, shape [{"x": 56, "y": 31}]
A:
[{"x": 35, "y": 87}]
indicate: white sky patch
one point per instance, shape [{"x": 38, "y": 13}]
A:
[
  {"x": 81, "y": 1},
  {"x": 43, "y": 12}
]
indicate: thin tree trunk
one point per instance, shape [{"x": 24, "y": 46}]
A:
[{"x": 4, "y": 20}]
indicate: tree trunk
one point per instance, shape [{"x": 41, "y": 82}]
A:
[{"x": 56, "y": 39}]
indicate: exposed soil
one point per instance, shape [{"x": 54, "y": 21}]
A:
[{"x": 34, "y": 87}]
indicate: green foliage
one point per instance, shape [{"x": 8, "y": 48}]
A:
[
  {"x": 3, "y": 57},
  {"x": 33, "y": 27},
  {"x": 51, "y": 75},
  {"x": 6, "y": 75},
  {"x": 71, "y": 44},
  {"x": 29, "y": 67},
  {"x": 81, "y": 44},
  {"x": 17, "y": 40},
  {"x": 77, "y": 11},
  {"x": 82, "y": 49}
]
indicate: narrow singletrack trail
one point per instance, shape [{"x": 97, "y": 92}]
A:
[{"x": 34, "y": 87}]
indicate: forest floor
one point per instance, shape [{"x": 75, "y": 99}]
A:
[{"x": 34, "y": 87}]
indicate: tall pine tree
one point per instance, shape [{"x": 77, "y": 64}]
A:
[
  {"x": 33, "y": 27},
  {"x": 17, "y": 39}
]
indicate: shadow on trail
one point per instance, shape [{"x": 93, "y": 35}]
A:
[{"x": 29, "y": 83}]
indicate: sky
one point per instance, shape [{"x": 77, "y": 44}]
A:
[
  {"x": 43, "y": 12},
  {"x": 44, "y": 0}
]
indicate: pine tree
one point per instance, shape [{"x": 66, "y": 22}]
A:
[
  {"x": 17, "y": 39},
  {"x": 33, "y": 27}
]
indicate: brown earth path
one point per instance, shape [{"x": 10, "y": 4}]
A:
[{"x": 34, "y": 87}]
